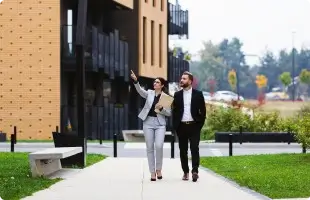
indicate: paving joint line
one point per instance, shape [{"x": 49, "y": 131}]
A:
[{"x": 142, "y": 180}]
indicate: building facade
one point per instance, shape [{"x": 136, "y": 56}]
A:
[{"x": 38, "y": 80}]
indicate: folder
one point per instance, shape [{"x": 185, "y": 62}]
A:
[{"x": 165, "y": 100}]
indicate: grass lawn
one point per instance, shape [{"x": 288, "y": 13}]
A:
[
  {"x": 15, "y": 179},
  {"x": 276, "y": 176},
  {"x": 285, "y": 108},
  {"x": 50, "y": 141}
]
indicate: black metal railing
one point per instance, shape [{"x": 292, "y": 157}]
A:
[
  {"x": 176, "y": 66},
  {"x": 113, "y": 55},
  {"x": 104, "y": 52},
  {"x": 102, "y": 122},
  {"x": 178, "y": 20}
]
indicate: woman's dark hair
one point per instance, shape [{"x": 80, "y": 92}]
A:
[{"x": 164, "y": 83}]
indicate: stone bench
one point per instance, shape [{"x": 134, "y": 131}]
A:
[
  {"x": 47, "y": 161},
  {"x": 135, "y": 135}
]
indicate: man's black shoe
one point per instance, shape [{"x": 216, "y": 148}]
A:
[{"x": 195, "y": 177}]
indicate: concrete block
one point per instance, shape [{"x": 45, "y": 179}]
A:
[{"x": 47, "y": 161}]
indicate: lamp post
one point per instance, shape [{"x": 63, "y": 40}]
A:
[
  {"x": 80, "y": 72},
  {"x": 293, "y": 64}
]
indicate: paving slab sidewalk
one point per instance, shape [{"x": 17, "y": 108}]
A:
[{"x": 129, "y": 178}]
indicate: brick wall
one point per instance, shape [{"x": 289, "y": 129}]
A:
[{"x": 30, "y": 67}]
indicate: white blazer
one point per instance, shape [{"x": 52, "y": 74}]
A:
[{"x": 149, "y": 95}]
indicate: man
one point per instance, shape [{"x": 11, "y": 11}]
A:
[{"x": 189, "y": 113}]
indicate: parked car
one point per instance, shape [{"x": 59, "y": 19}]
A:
[
  {"x": 226, "y": 96},
  {"x": 207, "y": 96},
  {"x": 277, "y": 96}
]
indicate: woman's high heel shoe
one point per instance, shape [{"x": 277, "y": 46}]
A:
[
  {"x": 153, "y": 179},
  {"x": 159, "y": 177}
]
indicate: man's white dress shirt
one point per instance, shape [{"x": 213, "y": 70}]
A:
[{"x": 187, "y": 97}]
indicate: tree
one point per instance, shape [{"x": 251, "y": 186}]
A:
[
  {"x": 303, "y": 60},
  {"x": 285, "y": 78},
  {"x": 234, "y": 58},
  {"x": 270, "y": 68},
  {"x": 232, "y": 79},
  {"x": 304, "y": 78},
  {"x": 210, "y": 67},
  {"x": 216, "y": 62},
  {"x": 261, "y": 82},
  {"x": 218, "y": 59},
  {"x": 284, "y": 61}
]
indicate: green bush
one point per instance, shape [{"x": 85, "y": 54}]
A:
[
  {"x": 230, "y": 119},
  {"x": 267, "y": 122},
  {"x": 207, "y": 133},
  {"x": 304, "y": 110},
  {"x": 225, "y": 119},
  {"x": 302, "y": 130}
]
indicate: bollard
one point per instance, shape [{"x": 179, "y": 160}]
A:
[
  {"x": 289, "y": 134},
  {"x": 100, "y": 136},
  {"x": 304, "y": 150},
  {"x": 230, "y": 144},
  {"x": 240, "y": 136},
  {"x": 115, "y": 145},
  {"x": 12, "y": 143},
  {"x": 172, "y": 144},
  {"x": 57, "y": 129},
  {"x": 15, "y": 135},
  {"x": 288, "y": 138}
]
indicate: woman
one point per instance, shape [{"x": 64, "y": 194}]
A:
[{"x": 154, "y": 124}]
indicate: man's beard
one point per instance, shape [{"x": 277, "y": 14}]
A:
[{"x": 184, "y": 85}]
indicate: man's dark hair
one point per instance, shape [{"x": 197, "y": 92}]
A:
[{"x": 190, "y": 75}]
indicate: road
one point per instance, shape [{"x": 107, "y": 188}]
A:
[{"x": 138, "y": 149}]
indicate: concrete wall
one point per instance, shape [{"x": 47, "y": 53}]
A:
[{"x": 30, "y": 67}]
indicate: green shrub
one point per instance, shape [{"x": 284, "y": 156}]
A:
[
  {"x": 230, "y": 120},
  {"x": 207, "y": 133},
  {"x": 304, "y": 110},
  {"x": 288, "y": 124},
  {"x": 302, "y": 130},
  {"x": 266, "y": 122},
  {"x": 226, "y": 119}
]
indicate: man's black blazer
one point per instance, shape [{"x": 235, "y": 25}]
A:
[{"x": 198, "y": 108}]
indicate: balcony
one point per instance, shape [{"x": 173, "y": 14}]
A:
[
  {"x": 176, "y": 66},
  {"x": 125, "y": 3},
  {"x": 178, "y": 20},
  {"x": 103, "y": 52}
]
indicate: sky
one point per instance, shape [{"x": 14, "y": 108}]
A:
[{"x": 260, "y": 24}]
